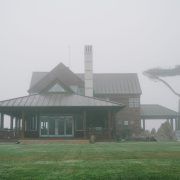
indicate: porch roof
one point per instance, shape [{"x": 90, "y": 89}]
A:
[
  {"x": 57, "y": 100},
  {"x": 155, "y": 111}
]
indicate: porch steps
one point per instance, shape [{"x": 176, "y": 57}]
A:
[{"x": 54, "y": 141}]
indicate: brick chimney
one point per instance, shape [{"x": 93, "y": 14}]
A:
[{"x": 88, "y": 70}]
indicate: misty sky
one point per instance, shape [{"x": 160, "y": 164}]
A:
[{"x": 127, "y": 36}]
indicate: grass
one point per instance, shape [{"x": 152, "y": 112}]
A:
[{"x": 90, "y": 161}]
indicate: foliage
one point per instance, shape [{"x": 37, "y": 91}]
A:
[
  {"x": 146, "y": 134},
  {"x": 90, "y": 161},
  {"x": 124, "y": 133},
  {"x": 153, "y": 132},
  {"x": 165, "y": 133}
]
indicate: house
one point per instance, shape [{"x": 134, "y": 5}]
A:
[{"x": 64, "y": 104}]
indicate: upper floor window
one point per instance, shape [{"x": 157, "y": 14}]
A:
[
  {"x": 74, "y": 88},
  {"x": 56, "y": 88},
  {"x": 77, "y": 90},
  {"x": 134, "y": 102}
]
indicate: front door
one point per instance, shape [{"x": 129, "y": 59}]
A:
[{"x": 56, "y": 126}]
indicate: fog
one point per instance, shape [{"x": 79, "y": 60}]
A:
[{"x": 127, "y": 36}]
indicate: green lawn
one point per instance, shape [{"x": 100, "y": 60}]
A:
[{"x": 90, "y": 161}]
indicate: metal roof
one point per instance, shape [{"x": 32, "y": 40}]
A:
[
  {"x": 154, "y": 111},
  {"x": 120, "y": 83},
  {"x": 57, "y": 100},
  {"x": 106, "y": 83}
]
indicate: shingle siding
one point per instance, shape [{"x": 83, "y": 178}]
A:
[{"x": 132, "y": 115}]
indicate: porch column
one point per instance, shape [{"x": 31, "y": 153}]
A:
[
  {"x": 23, "y": 125},
  {"x": 84, "y": 124},
  {"x": 171, "y": 122},
  {"x": 114, "y": 124},
  {"x": 11, "y": 122},
  {"x": 2, "y": 121},
  {"x": 16, "y": 123},
  {"x": 176, "y": 125},
  {"x": 15, "y": 126},
  {"x": 144, "y": 124},
  {"x": 109, "y": 124}
]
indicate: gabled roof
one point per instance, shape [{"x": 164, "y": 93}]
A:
[
  {"x": 60, "y": 72},
  {"x": 57, "y": 100},
  {"x": 155, "y": 111},
  {"x": 106, "y": 83}
]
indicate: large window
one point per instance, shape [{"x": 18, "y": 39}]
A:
[
  {"x": 134, "y": 102},
  {"x": 56, "y": 126},
  {"x": 31, "y": 123}
]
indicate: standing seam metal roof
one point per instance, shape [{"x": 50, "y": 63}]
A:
[
  {"x": 105, "y": 83},
  {"x": 157, "y": 112},
  {"x": 57, "y": 100}
]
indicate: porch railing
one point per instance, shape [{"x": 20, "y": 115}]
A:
[
  {"x": 99, "y": 133},
  {"x": 10, "y": 134}
]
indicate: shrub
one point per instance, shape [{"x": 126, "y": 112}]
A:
[
  {"x": 153, "y": 132},
  {"x": 165, "y": 133},
  {"x": 92, "y": 139}
]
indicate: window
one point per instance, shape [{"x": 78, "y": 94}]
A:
[
  {"x": 77, "y": 90},
  {"x": 134, "y": 102},
  {"x": 56, "y": 88},
  {"x": 126, "y": 123},
  {"x": 33, "y": 123},
  {"x": 74, "y": 88},
  {"x": 56, "y": 126}
]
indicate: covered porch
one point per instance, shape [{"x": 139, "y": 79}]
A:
[
  {"x": 158, "y": 112},
  {"x": 66, "y": 118}
]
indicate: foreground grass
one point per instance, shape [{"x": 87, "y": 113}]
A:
[{"x": 90, "y": 161}]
